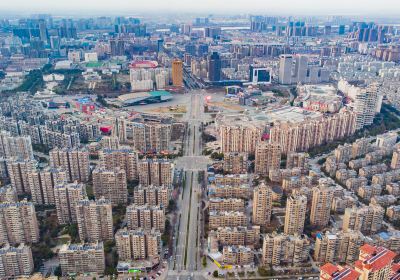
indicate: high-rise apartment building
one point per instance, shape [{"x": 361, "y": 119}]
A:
[
  {"x": 374, "y": 263},
  {"x": 15, "y": 261},
  {"x": 367, "y": 104},
  {"x": 137, "y": 244},
  {"x": 111, "y": 184},
  {"x": 42, "y": 183},
  {"x": 94, "y": 218},
  {"x": 295, "y": 216},
  {"x": 157, "y": 172},
  {"x": 338, "y": 247},
  {"x": 302, "y": 136},
  {"x": 322, "y": 196},
  {"x": 18, "y": 223},
  {"x": 145, "y": 217},
  {"x": 151, "y": 195},
  {"x": 242, "y": 137},
  {"x": 150, "y": 136},
  {"x": 285, "y": 249},
  {"x": 395, "y": 163},
  {"x": 18, "y": 172},
  {"x": 8, "y": 193},
  {"x": 82, "y": 258},
  {"x": 367, "y": 219},
  {"x": 267, "y": 157},
  {"x": 66, "y": 196},
  {"x": 296, "y": 160},
  {"x": 235, "y": 163},
  {"x": 74, "y": 161},
  {"x": 177, "y": 73},
  {"x": 123, "y": 158},
  {"x": 19, "y": 147},
  {"x": 262, "y": 205},
  {"x": 109, "y": 142}
]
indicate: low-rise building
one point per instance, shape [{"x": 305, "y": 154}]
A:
[{"x": 237, "y": 255}]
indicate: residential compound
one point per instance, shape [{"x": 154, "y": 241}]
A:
[{"x": 135, "y": 147}]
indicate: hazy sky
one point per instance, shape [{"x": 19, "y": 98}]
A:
[{"x": 308, "y": 7}]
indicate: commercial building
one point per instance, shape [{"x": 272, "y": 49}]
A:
[
  {"x": 214, "y": 67},
  {"x": 282, "y": 249},
  {"x": 82, "y": 258},
  {"x": 137, "y": 244},
  {"x": 267, "y": 157},
  {"x": 145, "y": 217},
  {"x": 295, "y": 216},
  {"x": 74, "y": 161},
  {"x": 66, "y": 196},
  {"x": 285, "y": 69},
  {"x": 260, "y": 75},
  {"x": 157, "y": 172},
  {"x": 18, "y": 223},
  {"x": 110, "y": 184},
  {"x": 262, "y": 205},
  {"x": 143, "y": 96},
  {"x": 296, "y": 69},
  {"x": 95, "y": 221},
  {"x": 15, "y": 261},
  {"x": 177, "y": 73}
]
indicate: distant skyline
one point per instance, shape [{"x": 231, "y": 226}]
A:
[{"x": 304, "y": 7}]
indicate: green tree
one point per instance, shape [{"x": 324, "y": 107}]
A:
[{"x": 215, "y": 273}]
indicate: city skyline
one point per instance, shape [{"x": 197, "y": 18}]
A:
[{"x": 308, "y": 7}]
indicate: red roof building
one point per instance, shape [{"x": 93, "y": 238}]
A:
[
  {"x": 395, "y": 272},
  {"x": 337, "y": 272},
  {"x": 374, "y": 263}
]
